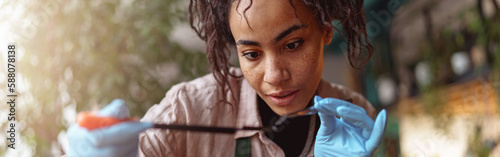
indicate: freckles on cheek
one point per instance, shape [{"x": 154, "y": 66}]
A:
[
  {"x": 307, "y": 61},
  {"x": 314, "y": 58},
  {"x": 307, "y": 65},
  {"x": 252, "y": 79},
  {"x": 249, "y": 76}
]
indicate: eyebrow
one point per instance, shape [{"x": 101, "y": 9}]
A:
[
  {"x": 247, "y": 42},
  {"x": 288, "y": 31},
  {"x": 278, "y": 38}
]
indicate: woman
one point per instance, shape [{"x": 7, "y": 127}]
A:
[{"x": 279, "y": 45}]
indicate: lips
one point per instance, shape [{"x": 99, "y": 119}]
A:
[{"x": 283, "y": 98}]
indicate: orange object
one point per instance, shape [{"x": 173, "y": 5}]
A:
[{"x": 91, "y": 121}]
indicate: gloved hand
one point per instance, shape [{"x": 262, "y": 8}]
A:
[
  {"x": 354, "y": 134},
  {"x": 112, "y": 141}
]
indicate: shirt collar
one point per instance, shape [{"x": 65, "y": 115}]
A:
[{"x": 248, "y": 113}]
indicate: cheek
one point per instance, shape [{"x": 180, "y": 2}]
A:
[
  {"x": 250, "y": 72},
  {"x": 310, "y": 64}
]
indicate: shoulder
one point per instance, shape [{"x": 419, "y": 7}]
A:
[
  {"x": 202, "y": 85},
  {"x": 333, "y": 90},
  {"x": 190, "y": 97}
]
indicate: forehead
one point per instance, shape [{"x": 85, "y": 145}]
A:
[
  {"x": 267, "y": 16},
  {"x": 257, "y": 8}
]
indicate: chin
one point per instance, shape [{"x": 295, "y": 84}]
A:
[{"x": 282, "y": 110}]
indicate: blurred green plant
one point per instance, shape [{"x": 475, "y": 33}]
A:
[
  {"x": 475, "y": 30},
  {"x": 436, "y": 53},
  {"x": 477, "y": 146},
  {"x": 90, "y": 52},
  {"x": 487, "y": 31}
]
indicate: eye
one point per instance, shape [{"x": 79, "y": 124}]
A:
[
  {"x": 251, "y": 55},
  {"x": 294, "y": 45}
]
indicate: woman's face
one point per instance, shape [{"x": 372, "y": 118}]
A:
[{"x": 280, "y": 56}]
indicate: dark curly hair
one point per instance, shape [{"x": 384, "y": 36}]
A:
[{"x": 210, "y": 20}]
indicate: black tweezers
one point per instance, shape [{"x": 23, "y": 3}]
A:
[
  {"x": 233, "y": 130},
  {"x": 203, "y": 128}
]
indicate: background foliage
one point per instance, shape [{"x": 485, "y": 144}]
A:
[{"x": 82, "y": 54}]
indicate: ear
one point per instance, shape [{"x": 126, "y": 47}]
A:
[{"x": 327, "y": 34}]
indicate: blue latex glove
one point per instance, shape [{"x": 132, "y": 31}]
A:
[
  {"x": 117, "y": 140},
  {"x": 354, "y": 134}
]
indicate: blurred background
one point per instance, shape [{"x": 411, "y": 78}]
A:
[{"x": 436, "y": 68}]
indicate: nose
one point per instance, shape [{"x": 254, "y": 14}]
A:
[{"x": 276, "y": 71}]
